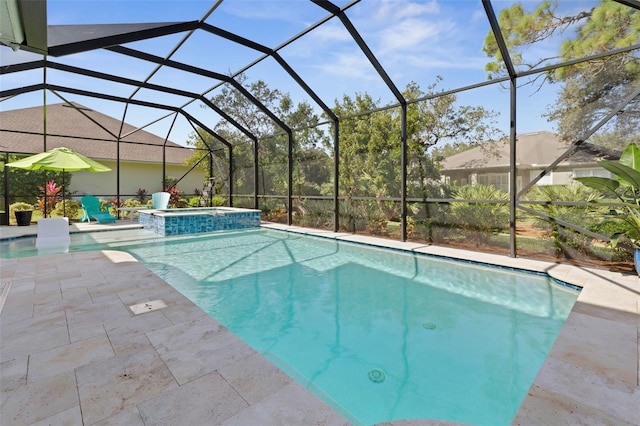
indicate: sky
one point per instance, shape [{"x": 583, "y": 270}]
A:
[{"x": 414, "y": 41}]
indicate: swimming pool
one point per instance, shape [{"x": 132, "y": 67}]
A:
[{"x": 378, "y": 334}]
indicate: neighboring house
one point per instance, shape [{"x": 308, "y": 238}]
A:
[
  {"x": 21, "y": 132},
  {"x": 534, "y": 153}
]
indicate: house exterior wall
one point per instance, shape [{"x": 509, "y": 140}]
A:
[
  {"x": 562, "y": 175},
  {"x": 474, "y": 177},
  {"x": 132, "y": 177}
]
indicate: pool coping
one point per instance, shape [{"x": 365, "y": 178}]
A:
[{"x": 590, "y": 376}]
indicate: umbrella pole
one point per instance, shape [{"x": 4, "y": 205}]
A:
[
  {"x": 64, "y": 208},
  {"x": 45, "y": 195}
]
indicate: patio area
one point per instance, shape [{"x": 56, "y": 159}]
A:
[{"x": 73, "y": 352}]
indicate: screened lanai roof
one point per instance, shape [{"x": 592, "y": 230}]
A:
[{"x": 158, "y": 63}]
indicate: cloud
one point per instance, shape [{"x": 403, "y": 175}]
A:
[
  {"x": 479, "y": 15},
  {"x": 411, "y": 34},
  {"x": 350, "y": 64},
  {"x": 393, "y": 10},
  {"x": 409, "y": 38},
  {"x": 330, "y": 32},
  {"x": 413, "y": 40}
]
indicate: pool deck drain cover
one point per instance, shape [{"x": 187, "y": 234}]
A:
[
  {"x": 377, "y": 376},
  {"x": 141, "y": 308}
]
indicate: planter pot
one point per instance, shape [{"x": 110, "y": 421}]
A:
[
  {"x": 4, "y": 218},
  {"x": 23, "y": 217},
  {"x": 636, "y": 260}
]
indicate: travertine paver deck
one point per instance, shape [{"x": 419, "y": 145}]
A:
[{"x": 72, "y": 352}]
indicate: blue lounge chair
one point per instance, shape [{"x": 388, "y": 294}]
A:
[
  {"x": 92, "y": 210},
  {"x": 160, "y": 200}
]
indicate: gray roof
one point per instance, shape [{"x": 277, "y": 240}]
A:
[
  {"x": 533, "y": 150},
  {"x": 21, "y": 131}
]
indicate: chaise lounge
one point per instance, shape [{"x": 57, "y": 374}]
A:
[{"x": 92, "y": 210}]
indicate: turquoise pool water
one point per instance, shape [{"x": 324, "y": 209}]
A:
[{"x": 380, "y": 335}]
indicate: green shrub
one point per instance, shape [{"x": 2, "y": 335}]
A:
[
  {"x": 626, "y": 190},
  {"x": 105, "y": 205},
  {"x": 314, "y": 213},
  {"x": 16, "y": 207},
  {"x": 218, "y": 201},
  {"x": 19, "y": 206},
  {"x": 276, "y": 214},
  {"x": 378, "y": 225},
  {"x": 427, "y": 219},
  {"x": 480, "y": 219},
  {"x": 586, "y": 217},
  {"x": 131, "y": 202},
  {"x": 354, "y": 215},
  {"x": 71, "y": 209}
]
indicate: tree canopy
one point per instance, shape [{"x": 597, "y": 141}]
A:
[
  {"x": 370, "y": 143},
  {"x": 590, "y": 90},
  {"x": 272, "y": 141},
  {"x": 369, "y": 137}
]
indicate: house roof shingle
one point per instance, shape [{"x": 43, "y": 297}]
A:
[{"x": 21, "y": 131}]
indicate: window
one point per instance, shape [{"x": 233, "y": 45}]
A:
[
  {"x": 497, "y": 180},
  {"x": 594, "y": 171}
]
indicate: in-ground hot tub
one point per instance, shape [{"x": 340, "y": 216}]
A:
[{"x": 197, "y": 220}]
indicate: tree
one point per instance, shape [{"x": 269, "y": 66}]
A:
[
  {"x": 370, "y": 145},
  {"x": 272, "y": 141},
  {"x": 439, "y": 153},
  {"x": 591, "y": 89},
  {"x": 437, "y": 122},
  {"x": 369, "y": 159}
]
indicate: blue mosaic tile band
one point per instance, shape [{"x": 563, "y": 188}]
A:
[{"x": 194, "y": 221}]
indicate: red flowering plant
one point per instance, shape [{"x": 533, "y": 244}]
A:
[
  {"x": 114, "y": 204},
  {"x": 175, "y": 197},
  {"x": 48, "y": 197}
]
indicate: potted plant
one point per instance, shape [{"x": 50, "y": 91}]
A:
[
  {"x": 22, "y": 213},
  {"x": 626, "y": 190}
]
